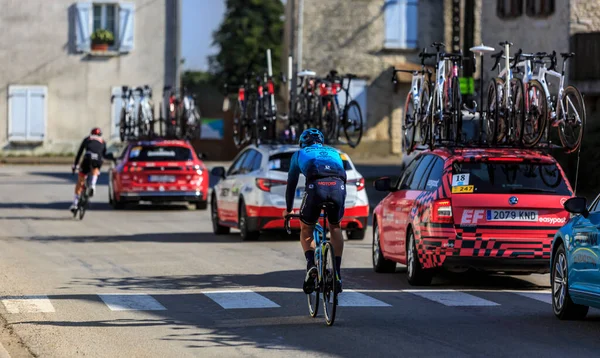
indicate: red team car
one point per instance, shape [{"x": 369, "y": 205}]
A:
[
  {"x": 488, "y": 209},
  {"x": 158, "y": 171}
]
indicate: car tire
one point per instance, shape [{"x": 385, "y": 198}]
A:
[
  {"x": 416, "y": 275},
  {"x": 218, "y": 229},
  {"x": 564, "y": 308},
  {"x": 380, "y": 263},
  {"x": 356, "y": 234},
  {"x": 114, "y": 203},
  {"x": 201, "y": 205},
  {"x": 245, "y": 232}
]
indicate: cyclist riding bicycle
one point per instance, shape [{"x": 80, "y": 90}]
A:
[
  {"x": 95, "y": 150},
  {"x": 325, "y": 183}
]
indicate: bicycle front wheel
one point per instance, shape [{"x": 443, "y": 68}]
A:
[
  {"x": 122, "y": 125},
  {"x": 572, "y": 114},
  {"x": 494, "y": 101},
  {"x": 238, "y": 125},
  {"x": 353, "y": 123},
  {"x": 329, "y": 283},
  {"x": 517, "y": 111},
  {"x": 408, "y": 124},
  {"x": 535, "y": 113},
  {"x": 328, "y": 119}
]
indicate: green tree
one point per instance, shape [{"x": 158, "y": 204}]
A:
[{"x": 250, "y": 28}]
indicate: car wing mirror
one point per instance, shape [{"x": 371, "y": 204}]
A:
[
  {"x": 383, "y": 184},
  {"x": 577, "y": 205},
  {"x": 218, "y": 172}
]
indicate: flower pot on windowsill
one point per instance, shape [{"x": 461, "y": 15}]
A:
[{"x": 99, "y": 47}]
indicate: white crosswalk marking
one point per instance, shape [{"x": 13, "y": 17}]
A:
[
  {"x": 131, "y": 302},
  {"x": 240, "y": 299},
  {"x": 539, "y": 296},
  {"x": 350, "y": 298},
  {"x": 28, "y": 304},
  {"x": 453, "y": 298}
]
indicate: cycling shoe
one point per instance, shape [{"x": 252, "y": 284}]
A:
[{"x": 309, "y": 281}]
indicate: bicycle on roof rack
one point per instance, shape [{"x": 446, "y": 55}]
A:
[
  {"x": 565, "y": 111},
  {"x": 506, "y": 104},
  {"x": 415, "y": 105}
]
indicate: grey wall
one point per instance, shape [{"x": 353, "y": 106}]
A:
[{"x": 36, "y": 49}]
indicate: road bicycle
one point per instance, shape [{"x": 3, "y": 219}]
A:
[
  {"x": 265, "y": 110},
  {"x": 84, "y": 200},
  {"x": 183, "y": 119},
  {"x": 348, "y": 115},
  {"x": 326, "y": 283},
  {"x": 328, "y": 111},
  {"x": 413, "y": 119},
  {"x": 506, "y": 103},
  {"x": 444, "y": 107},
  {"x": 127, "y": 116},
  {"x": 566, "y": 111},
  {"x": 306, "y": 105},
  {"x": 145, "y": 111}
]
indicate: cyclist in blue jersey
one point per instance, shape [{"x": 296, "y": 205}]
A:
[{"x": 325, "y": 182}]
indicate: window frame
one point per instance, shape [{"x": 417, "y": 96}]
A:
[
  {"x": 407, "y": 173},
  {"x": 441, "y": 174},
  {"x": 103, "y": 17},
  {"x": 593, "y": 207},
  {"x": 239, "y": 160},
  {"x": 402, "y": 41},
  {"x": 548, "y": 8},
  {"x": 429, "y": 159},
  {"x": 246, "y": 166},
  {"x": 505, "y": 15}
]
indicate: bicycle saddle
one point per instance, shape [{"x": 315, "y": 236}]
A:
[
  {"x": 327, "y": 205},
  {"x": 438, "y": 44},
  {"x": 307, "y": 73},
  {"x": 505, "y": 43},
  {"x": 566, "y": 55}
]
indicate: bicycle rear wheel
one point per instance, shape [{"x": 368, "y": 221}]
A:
[
  {"x": 535, "y": 114},
  {"x": 492, "y": 111},
  {"x": 517, "y": 111},
  {"x": 328, "y": 119},
  {"x": 408, "y": 124},
  {"x": 455, "y": 134},
  {"x": 353, "y": 123},
  {"x": 122, "y": 125},
  {"x": 423, "y": 124},
  {"x": 329, "y": 283},
  {"x": 570, "y": 130},
  {"x": 313, "y": 298},
  {"x": 238, "y": 125}
]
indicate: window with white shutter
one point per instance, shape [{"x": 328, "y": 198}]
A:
[
  {"x": 116, "y": 17},
  {"x": 27, "y": 113},
  {"x": 401, "y": 24}
]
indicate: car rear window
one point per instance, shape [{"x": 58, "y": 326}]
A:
[
  {"x": 156, "y": 153},
  {"x": 281, "y": 162},
  {"x": 510, "y": 177}
]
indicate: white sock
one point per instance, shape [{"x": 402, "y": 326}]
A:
[{"x": 94, "y": 180}]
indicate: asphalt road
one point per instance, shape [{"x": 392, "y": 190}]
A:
[{"x": 155, "y": 282}]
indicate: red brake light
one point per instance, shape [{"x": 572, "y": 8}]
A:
[
  {"x": 441, "y": 211},
  {"x": 241, "y": 94},
  {"x": 267, "y": 184},
  {"x": 132, "y": 169},
  {"x": 270, "y": 87},
  {"x": 360, "y": 184}
]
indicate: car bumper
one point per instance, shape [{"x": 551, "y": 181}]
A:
[
  {"x": 162, "y": 196},
  {"x": 269, "y": 218}
]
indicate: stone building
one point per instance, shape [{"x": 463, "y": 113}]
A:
[
  {"x": 367, "y": 38},
  {"x": 54, "y": 87}
]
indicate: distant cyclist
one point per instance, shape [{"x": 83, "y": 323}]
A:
[
  {"x": 325, "y": 182},
  {"x": 93, "y": 149}
]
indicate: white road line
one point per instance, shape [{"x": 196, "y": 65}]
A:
[
  {"x": 351, "y": 298},
  {"x": 28, "y": 304},
  {"x": 454, "y": 298},
  {"x": 131, "y": 302},
  {"x": 545, "y": 297},
  {"x": 234, "y": 299}
]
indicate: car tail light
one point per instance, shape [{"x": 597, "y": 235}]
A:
[
  {"x": 270, "y": 87},
  {"x": 441, "y": 211},
  {"x": 360, "y": 184},
  {"x": 194, "y": 169},
  {"x": 267, "y": 184},
  {"x": 241, "y": 94},
  {"x": 132, "y": 169}
]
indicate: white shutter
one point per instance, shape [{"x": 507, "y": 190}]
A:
[
  {"x": 83, "y": 26},
  {"x": 126, "y": 26},
  {"x": 117, "y": 105},
  {"x": 27, "y": 113},
  {"x": 401, "y": 20}
]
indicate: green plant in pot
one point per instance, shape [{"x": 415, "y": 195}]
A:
[{"x": 102, "y": 39}]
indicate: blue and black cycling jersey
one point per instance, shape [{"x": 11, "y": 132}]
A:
[{"x": 315, "y": 162}]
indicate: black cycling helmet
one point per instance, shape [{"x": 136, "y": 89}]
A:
[
  {"x": 96, "y": 131},
  {"x": 311, "y": 136}
]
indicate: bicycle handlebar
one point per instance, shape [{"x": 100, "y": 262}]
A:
[{"x": 287, "y": 221}]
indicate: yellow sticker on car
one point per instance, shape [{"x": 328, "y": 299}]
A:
[
  {"x": 463, "y": 189},
  {"x": 344, "y": 156}
]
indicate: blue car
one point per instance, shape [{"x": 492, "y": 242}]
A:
[{"x": 575, "y": 261}]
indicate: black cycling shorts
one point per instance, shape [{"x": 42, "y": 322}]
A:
[
  {"x": 90, "y": 161},
  {"x": 318, "y": 192}
]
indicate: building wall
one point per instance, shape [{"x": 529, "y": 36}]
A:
[
  {"x": 348, "y": 35},
  {"x": 37, "y": 49}
]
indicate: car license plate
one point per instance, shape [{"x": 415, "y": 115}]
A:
[
  {"x": 161, "y": 178},
  {"x": 512, "y": 215},
  {"x": 299, "y": 192}
]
